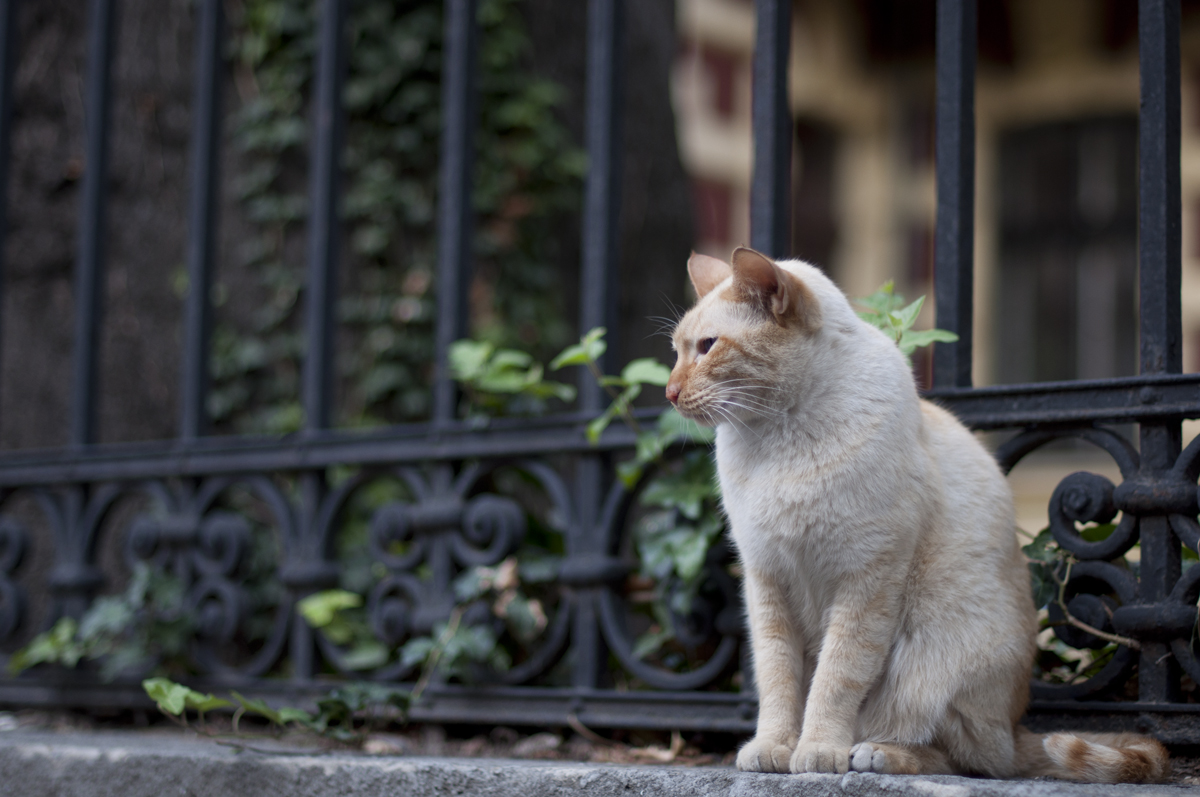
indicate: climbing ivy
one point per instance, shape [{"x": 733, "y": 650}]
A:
[{"x": 528, "y": 179}]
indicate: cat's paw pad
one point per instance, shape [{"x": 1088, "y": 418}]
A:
[
  {"x": 820, "y": 757},
  {"x": 764, "y": 755},
  {"x": 866, "y": 757}
]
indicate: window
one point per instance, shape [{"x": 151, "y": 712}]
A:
[{"x": 1066, "y": 284}]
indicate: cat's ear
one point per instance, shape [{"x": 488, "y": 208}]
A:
[
  {"x": 707, "y": 273},
  {"x": 781, "y": 293}
]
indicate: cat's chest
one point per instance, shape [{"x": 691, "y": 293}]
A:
[{"x": 794, "y": 511}]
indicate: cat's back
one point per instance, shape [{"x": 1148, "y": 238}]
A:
[
  {"x": 971, "y": 480},
  {"x": 970, "y": 556}
]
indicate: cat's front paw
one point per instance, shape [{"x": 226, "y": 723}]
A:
[
  {"x": 820, "y": 757},
  {"x": 866, "y": 757},
  {"x": 763, "y": 754}
]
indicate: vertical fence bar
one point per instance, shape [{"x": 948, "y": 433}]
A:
[
  {"x": 89, "y": 264},
  {"x": 597, "y": 303},
  {"x": 1159, "y": 293},
  {"x": 324, "y": 240},
  {"x": 602, "y": 193},
  {"x": 1159, "y": 236},
  {"x": 954, "y": 240},
  {"x": 324, "y": 226},
  {"x": 770, "y": 191},
  {"x": 8, "y": 64},
  {"x": 206, "y": 138},
  {"x": 90, "y": 260},
  {"x": 455, "y": 219}
]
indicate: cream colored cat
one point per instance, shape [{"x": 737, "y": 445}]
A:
[{"x": 890, "y": 613}]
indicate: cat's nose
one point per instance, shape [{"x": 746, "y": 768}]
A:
[{"x": 672, "y": 392}]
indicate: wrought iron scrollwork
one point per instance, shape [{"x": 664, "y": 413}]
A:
[
  {"x": 14, "y": 541},
  {"x": 714, "y": 615},
  {"x": 1097, "y": 589},
  {"x": 446, "y": 527},
  {"x": 205, "y": 548}
]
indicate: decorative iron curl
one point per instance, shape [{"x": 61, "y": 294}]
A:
[
  {"x": 391, "y": 524},
  {"x": 1187, "y": 470},
  {"x": 218, "y": 606},
  {"x": 221, "y": 542},
  {"x": 1088, "y": 498},
  {"x": 704, "y": 622},
  {"x": 1085, "y": 592},
  {"x": 390, "y": 607},
  {"x": 14, "y": 542},
  {"x": 492, "y": 527},
  {"x": 553, "y": 641},
  {"x": 1083, "y": 497},
  {"x": 1184, "y": 598}
]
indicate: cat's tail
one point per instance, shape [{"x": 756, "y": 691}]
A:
[{"x": 1091, "y": 757}]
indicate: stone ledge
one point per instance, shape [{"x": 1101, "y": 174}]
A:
[{"x": 138, "y": 764}]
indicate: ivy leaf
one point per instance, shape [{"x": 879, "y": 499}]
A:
[
  {"x": 525, "y": 617},
  {"x": 204, "y": 702},
  {"x": 910, "y": 340},
  {"x": 1045, "y": 588},
  {"x": 365, "y": 656},
  {"x": 320, "y": 608},
  {"x": 289, "y": 714},
  {"x": 470, "y": 585},
  {"x": 589, "y": 349},
  {"x": 882, "y": 302},
  {"x": 416, "y": 650},
  {"x": 630, "y": 472},
  {"x": 467, "y": 358},
  {"x": 1097, "y": 533},
  {"x": 259, "y": 707},
  {"x": 170, "y": 697},
  {"x": 510, "y": 358},
  {"x": 651, "y": 642},
  {"x": 648, "y": 371},
  {"x": 689, "y": 556},
  {"x": 1041, "y": 550},
  {"x": 57, "y": 644},
  {"x": 597, "y": 425},
  {"x": 908, "y": 316}
]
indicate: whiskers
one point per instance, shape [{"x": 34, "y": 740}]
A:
[
  {"x": 666, "y": 324},
  {"x": 733, "y": 400}
]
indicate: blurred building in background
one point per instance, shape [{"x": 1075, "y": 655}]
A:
[{"x": 1056, "y": 174}]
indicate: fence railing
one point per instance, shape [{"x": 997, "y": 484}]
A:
[{"x": 174, "y": 503}]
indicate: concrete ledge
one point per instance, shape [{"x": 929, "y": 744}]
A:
[{"x": 158, "y": 764}]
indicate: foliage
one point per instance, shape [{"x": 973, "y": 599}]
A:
[
  {"x": 173, "y": 698},
  {"x": 502, "y": 381},
  {"x": 147, "y": 625},
  {"x": 527, "y": 179},
  {"x": 671, "y": 428},
  {"x": 1050, "y": 572},
  {"x": 885, "y": 310},
  {"x": 331, "y": 612},
  {"x": 336, "y": 714}
]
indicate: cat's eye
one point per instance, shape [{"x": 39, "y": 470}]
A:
[{"x": 704, "y": 345}]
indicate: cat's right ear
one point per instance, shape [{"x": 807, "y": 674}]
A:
[{"x": 707, "y": 273}]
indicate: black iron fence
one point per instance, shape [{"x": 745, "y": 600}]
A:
[{"x": 454, "y": 512}]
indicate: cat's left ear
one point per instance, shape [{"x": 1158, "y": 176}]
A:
[
  {"x": 706, "y": 273},
  {"x": 779, "y": 292}
]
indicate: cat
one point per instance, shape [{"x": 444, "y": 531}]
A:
[{"x": 890, "y": 611}]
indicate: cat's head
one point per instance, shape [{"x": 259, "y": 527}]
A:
[{"x": 740, "y": 348}]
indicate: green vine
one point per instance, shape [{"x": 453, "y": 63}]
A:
[{"x": 528, "y": 178}]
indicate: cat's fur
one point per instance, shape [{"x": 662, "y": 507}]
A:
[{"x": 889, "y": 604}]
